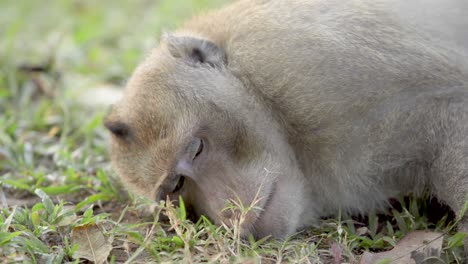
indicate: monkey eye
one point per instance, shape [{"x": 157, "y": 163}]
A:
[
  {"x": 195, "y": 148},
  {"x": 199, "y": 149},
  {"x": 180, "y": 184},
  {"x": 117, "y": 128}
]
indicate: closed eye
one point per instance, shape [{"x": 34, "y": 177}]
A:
[
  {"x": 199, "y": 150},
  {"x": 117, "y": 128}
]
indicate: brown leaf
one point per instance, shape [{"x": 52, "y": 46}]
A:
[
  {"x": 53, "y": 131},
  {"x": 362, "y": 231},
  {"x": 415, "y": 247},
  {"x": 93, "y": 245}
]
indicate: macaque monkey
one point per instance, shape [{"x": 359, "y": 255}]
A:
[{"x": 304, "y": 108}]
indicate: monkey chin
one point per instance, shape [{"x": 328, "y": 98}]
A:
[
  {"x": 276, "y": 213},
  {"x": 250, "y": 220}
]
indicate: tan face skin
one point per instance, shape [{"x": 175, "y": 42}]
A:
[{"x": 174, "y": 134}]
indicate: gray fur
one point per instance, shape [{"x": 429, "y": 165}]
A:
[{"x": 323, "y": 105}]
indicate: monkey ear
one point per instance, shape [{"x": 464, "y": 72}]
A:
[{"x": 196, "y": 50}]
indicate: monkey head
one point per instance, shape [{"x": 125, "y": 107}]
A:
[{"x": 188, "y": 126}]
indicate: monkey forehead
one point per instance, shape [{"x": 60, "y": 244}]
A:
[
  {"x": 160, "y": 85},
  {"x": 176, "y": 81},
  {"x": 164, "y": 89},
  {"x": 152, "y": 112}
]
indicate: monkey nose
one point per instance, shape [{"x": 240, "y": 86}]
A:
[{"x": 184, "y": 167}]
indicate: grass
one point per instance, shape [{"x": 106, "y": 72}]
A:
[{"x": 58, "y": 191}]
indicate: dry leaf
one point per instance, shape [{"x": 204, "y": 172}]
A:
[
  {"x": 362, "y": 231},
  {"x": 53, "y": 131},
  {"x": 415, "y": 247},
  {"x": 93, "y": 245}
]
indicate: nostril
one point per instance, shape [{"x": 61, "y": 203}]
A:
[{"x": 180, "y": 184}]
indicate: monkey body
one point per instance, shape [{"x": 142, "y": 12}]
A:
[
  {"x": 304, "y": 107},
  {"x": 361, "y": 106}
]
